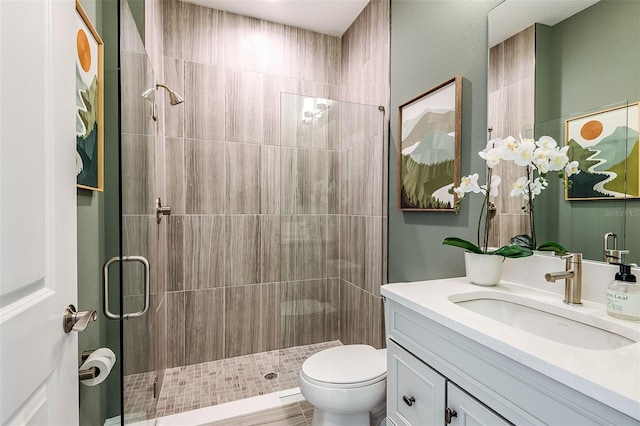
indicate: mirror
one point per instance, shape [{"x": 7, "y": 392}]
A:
[{"x": 556, "y": 61}]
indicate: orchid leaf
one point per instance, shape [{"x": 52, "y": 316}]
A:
[
  {"x": 523, "y": 240},
  {"x": 552, "y": 246},
  {"x": 459, "y": 242},
  {"x": 513, "y": 251}
]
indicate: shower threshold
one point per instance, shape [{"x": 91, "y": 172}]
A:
[{"x": 230, "y": 410}]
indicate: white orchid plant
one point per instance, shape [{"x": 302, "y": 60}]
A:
[{"x": 538, "y": 158}]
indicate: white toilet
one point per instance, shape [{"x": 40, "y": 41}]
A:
[{"x": 347, "y": 385}]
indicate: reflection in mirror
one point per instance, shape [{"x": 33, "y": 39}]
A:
[{"x": 554, "y": 66}]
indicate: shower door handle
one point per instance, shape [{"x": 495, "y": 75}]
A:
[{"x": 105, "y": 276}]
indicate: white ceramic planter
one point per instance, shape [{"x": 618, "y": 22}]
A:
[{"x": 483, "y": 269}]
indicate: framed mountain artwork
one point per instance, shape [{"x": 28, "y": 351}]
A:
[{"x": 429, "y": 148}]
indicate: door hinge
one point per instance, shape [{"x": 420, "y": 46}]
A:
[{"x": 155, "y": 388}]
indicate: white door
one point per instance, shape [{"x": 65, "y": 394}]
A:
[{"x": 38, "y": 361}]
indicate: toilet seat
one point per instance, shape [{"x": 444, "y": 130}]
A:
[{"x": 345, "y": 367}]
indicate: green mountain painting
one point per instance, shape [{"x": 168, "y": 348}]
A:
[{"x": 428, "y": 161}]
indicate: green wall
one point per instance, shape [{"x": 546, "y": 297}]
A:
[
  {"x": 98, "y": 222},
  {"x": 90, "y": 206},
  {"x": 432, "y": 41}
]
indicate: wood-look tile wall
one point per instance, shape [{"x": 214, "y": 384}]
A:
[
  {"x": 511, "y": 113},
  {"x": 227, "y": 267},
  {"x": 256, "y": 271},
  {"x": 363, "y": 175}
]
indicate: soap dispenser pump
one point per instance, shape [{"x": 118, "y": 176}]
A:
[{"x": 623, "y": 295}]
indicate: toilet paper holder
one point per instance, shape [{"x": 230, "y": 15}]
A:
[
  {"x": 89, "y": 373},
  {"x": 96, "y": 366}
]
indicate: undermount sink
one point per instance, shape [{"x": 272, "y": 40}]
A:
[{"x": 582, "y": 332}]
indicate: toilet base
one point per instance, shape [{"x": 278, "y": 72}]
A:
[
  {"x": 377, "y": 417},
  {"x": 327, "y": 418}
]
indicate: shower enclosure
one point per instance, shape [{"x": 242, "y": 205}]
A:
[
  {"x": 275, "y": 246},
  {"x": 328, "y": 238}
]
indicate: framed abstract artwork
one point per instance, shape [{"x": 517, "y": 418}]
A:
[
  {"x": 89, "y": 104},
  {"x": 605, "y": 144},
  {"x": 429, "y": 148}
]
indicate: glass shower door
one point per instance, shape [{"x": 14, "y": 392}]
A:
[
  {"x": 139, "y": 229},
  {"x": 331, "y": 211}
]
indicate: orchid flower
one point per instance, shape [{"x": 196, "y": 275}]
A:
[
  {"x": 493, "y": 187},
  {"x": 511, "y": 146},
  {"x": 493, "y": 153},
  {"x": 495, "y": 182},
  {"x": 538, "y": 185},
  {"x": 538, "y": 157},
  {"x": 547, "y": 142},
  {"x": 519, "y": 186},
  {"x": 542, "y": 163},
  {"x": 469, "y": 184},
  {"x": 525, "y": 153},
  {"x": 572, "y": 168}
]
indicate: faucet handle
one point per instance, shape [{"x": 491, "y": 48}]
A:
[
  {"x": 576, "y": 257},
  {"x": 614, "y": 256}
]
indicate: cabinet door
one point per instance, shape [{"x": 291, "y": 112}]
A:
[
  {"x": 415, "y": 392},
  {"x": 468, "y": 410}
]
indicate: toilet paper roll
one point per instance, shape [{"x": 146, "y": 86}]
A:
[{"x": 103, "y": 359}]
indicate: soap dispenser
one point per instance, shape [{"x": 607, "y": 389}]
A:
[{"x": 623, "y": 295}]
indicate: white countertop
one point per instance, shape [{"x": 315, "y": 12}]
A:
[{"x": 609, "y": 376}]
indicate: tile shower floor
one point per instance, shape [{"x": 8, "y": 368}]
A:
[{"x": 210, "y": 383}]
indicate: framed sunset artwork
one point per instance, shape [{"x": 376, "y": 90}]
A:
[
  {"x": 89, "y": 94},
  {"x": 605, "y": 144}
]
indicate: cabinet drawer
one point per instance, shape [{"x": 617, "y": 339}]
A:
[{"x": 415, "y": 392}]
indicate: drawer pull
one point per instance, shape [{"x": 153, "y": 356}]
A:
[
  {"x": 449, "y": 414},
  {"x": 409, "y": 400}
]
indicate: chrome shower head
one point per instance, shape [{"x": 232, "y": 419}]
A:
[{"x": 174, "y": 98}]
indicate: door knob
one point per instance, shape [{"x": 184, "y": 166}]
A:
[{"x": 73, "y": 320}]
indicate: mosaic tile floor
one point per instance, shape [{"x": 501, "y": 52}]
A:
[{"x": 210, "y": 383}]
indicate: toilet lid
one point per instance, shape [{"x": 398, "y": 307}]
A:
[{"x": 346, "y": 364}]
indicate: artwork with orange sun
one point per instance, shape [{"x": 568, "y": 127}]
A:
[
  {"x": 89, "y": 91},
  {"x": 606, "y": 146}
]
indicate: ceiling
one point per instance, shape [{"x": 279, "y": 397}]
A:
[
  {"x": 334, "y": 17},
  {"x": 331, "y": 17},
  {"x": 512, "y": 16}
]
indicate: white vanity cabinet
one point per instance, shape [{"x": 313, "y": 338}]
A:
[
  {"x": 441, "y": 367},
  {"x": 419, "y": 395}
]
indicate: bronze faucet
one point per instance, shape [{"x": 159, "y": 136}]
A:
[{"x": 573, "y": 278}]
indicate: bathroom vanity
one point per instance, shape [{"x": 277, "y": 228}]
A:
[{"x": 509, "y": 354}]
